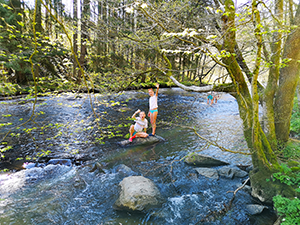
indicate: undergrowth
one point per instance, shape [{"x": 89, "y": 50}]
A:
[{"x": 289, "y": 209}]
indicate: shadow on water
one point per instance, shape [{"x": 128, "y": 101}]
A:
[{"x": 58, "y": 194}]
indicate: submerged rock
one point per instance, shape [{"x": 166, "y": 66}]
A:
[
  {"x": 97, "y": 166},
  {"x": 137, "y": 194},
  {"x": 123, "y": 169},
  {"x": 208, "y": 172},
  {"x": 203, "y": 160},
  {"x": 142, "y": 141}
]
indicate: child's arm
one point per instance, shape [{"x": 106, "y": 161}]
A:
[
  {"x": 136, "y": 112},
  {"x": 157, "y": 87}
]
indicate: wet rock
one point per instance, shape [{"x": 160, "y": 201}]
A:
[
  {"x": 29, "y": 165},
  {"x": 137, "y": 194},
  {"x": 243, "y": 167},
  {"x": 64, "y": 162},
  {"x": 203, "y": 160},
  {"x": 255, "y": 209},
  {"x": 231, "y": 172},
  {"x": 142, "y": 141},
  {"x": 248, "y": 169},
  {"x": 247, "y": 189},
  {"x": 123, "y": 169},
  {"x": 97, "y": 167},
  {"x": 208, "y": 172}
]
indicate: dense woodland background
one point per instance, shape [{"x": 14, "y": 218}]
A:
[{"x": 115, "y": 47}]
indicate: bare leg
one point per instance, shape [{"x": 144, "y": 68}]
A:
[
  {"x": 153, "y": 117},
  {"x": 141, "y": 134},
  {"x": 131, "y": 130}
]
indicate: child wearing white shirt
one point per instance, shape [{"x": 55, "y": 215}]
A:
[
  {"x": 153, "y": 108},
  {"x": 140, "y": 127}
]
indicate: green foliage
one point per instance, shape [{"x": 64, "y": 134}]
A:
[
  {"x": 287, "y": 176},
  {"x": 295, "y": 122},
  {"x": 9, "y": 88},
  {"x": 292, "y": 150},
  {"x": 288, "y": 208}
]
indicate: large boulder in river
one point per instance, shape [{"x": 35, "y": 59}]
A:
[
  {"x": 142, "y": 141},
  {"x": 203, "y": 160},
  {"x": 137, "y": 194}
]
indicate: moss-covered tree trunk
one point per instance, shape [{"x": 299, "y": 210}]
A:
[
  {"x": 288, "y": 80},
  {"x": 263, "y": 157},
  {"x": 269, "y": 93}
]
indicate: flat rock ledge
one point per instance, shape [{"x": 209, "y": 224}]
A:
[
  {"x": 142, "y": 141},
  {"x": 138, "y": 194},
  {"x": 203, "y": 161}
]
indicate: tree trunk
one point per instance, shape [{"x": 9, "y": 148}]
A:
[
  {"x": 85, "y": 17},
  {"x": 269, "y": 93},
  {"x": 287, "y": 83},
  {"x": 38, "y": 19},
  {"x": 75, "y": 36},
  {"x": 298, "y": 95}
]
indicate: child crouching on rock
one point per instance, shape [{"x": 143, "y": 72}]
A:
[{"x": 140, "y": 127}]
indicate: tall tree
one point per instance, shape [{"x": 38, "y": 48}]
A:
[
  {"x": 75, "y": 35},
  {"x": 85, "y": 21}
]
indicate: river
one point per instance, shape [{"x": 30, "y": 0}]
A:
[{"x": 64, "y": 126}]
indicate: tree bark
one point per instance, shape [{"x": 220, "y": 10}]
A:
[
  {"x": 85, "y": 17},
  {"x": 269, "y": 93},
  {"x": 288, "y": 80},
  {"x": 75, "y": 36}
]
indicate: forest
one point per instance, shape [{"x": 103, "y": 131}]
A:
[{"x": 249, "y": 50}]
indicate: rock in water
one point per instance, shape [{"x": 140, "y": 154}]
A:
[
  {"x": 142, "y": 141},
  {"x": 231, "y": 172},
  {"x": 137, "y": 194},
  {"x": 255, "y": 209},
  {"x": 208, "y": 172},
  {"x": 203, "y": 160},
  {"x": 64, "y": 162}
]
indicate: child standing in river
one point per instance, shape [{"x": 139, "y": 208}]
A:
[
  {"x": 141, "y": 123},
  {"x": 210, "y": 98},
  {"x": 153, "y": 108}
]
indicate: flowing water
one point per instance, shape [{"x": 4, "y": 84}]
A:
[{"x": 66, "y": 128}]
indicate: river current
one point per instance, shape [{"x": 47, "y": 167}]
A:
[{"x": 64, "y": 126}]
